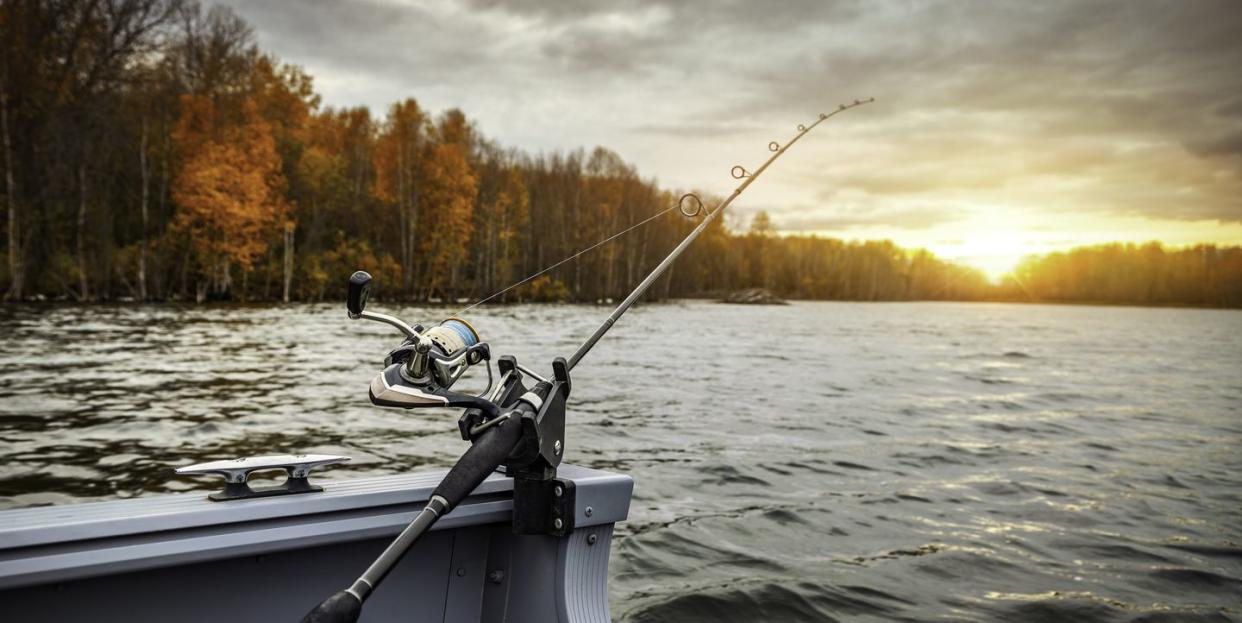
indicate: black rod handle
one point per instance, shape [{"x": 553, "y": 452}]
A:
[
  {"x": 490, "y": 449},
  {"x": 341, "y": 607}
]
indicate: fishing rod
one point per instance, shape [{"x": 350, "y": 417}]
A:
[
  {"x": 509, "y": 425},
  {"x": 738, "y": 172}
]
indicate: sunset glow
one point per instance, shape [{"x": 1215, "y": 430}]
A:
[
  {"x": 996, "y": 247},
  {"x": 996, "y": 133}
]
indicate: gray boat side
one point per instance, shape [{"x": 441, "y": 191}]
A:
[{"x": 183, "y": 558}]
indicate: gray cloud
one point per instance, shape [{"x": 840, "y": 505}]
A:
[
  {"x": 1227, "y": 145},
  {"x": 1111, "y": 106},
  {"x": 917, "y": 217},
  {"x": 689, "y": 17}
]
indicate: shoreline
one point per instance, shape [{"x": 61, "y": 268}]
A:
[{"x": 603, "y": 304}]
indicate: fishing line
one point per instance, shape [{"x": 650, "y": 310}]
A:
[
  {"x": 680, "y": 205},
  {"x": 520, "y": 427},
  {"x": 738, "y": 172}
]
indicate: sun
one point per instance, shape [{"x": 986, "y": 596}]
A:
[
  {"x": 995, "y": 268},
  {"x": 996, "y": 253}
]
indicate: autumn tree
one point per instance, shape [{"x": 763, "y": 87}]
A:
[
  {"x": 449, "y": 188},
  {"x": 604, "y": 201},
  {"x": 398, "y": 151},
  {"x": 323, "y": 191},
  {"x": 230, "y": 191},
  {"x": 760, "y": 249},
  {"x": 501, "y": 219},
  {"x": 150, "y": 148}
]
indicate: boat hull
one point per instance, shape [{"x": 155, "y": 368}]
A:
[{"x": 183, "y": 558}]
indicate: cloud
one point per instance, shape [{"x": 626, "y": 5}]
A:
[
  {"x": 1126, "y": 107},
  {"x": 709, "y": 130},
  {"x": 1227, "y": 145},
  {"x": 916, "y": 217}
]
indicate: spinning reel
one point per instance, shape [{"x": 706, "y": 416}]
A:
[{"x": 421, "y": 371}]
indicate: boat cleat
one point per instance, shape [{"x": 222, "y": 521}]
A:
[{"x": 236, "y": 472}]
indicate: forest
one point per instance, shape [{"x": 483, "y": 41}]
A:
[{"x": 153, "y": 152}]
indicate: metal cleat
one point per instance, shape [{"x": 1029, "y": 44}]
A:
[{"x": 237, "y": 471}]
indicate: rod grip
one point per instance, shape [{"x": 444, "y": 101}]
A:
[
  {"x": 490, "y": 449},
  {"x": 341, "y": 607}
]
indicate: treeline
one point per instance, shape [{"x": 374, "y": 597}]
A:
[
  {"x": 1131, "y": 274},
  {"x": 152, "y": 151}
]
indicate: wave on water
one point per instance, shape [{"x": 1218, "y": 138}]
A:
[{"x": 1029, "y": 463}]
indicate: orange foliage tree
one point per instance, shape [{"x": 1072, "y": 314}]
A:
[
  {"x": 449, "y": 189},
  {"x": 222, "y": 157},
  {"x": 396, "y": 160},
  {"x": 511, "y": 213},
  {"x": 230, "y": 190}
]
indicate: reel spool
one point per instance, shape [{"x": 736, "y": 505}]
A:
[
  {"x": 453, "y": 335},
  {"x": 438, "y": 356}
]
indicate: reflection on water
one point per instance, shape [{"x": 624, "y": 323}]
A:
[{"x": 805, "y": 463}]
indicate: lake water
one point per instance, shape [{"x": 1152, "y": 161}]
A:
[{"x": 820, "y": 461}]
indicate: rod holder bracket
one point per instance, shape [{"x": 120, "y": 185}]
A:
[{"x": 543, "y": 507}]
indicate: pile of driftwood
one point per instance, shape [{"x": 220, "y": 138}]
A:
[{"x": 754, "y": 296}]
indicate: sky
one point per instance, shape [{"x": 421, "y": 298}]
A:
[{"x": 1000, "y": 128}]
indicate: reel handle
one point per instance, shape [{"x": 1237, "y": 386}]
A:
[
  {"x": 359, "y": 291},
  {"x": 356, "y": 303}
]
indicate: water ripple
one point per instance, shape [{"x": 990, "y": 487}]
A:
[{"x": 815, "y": 462}]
